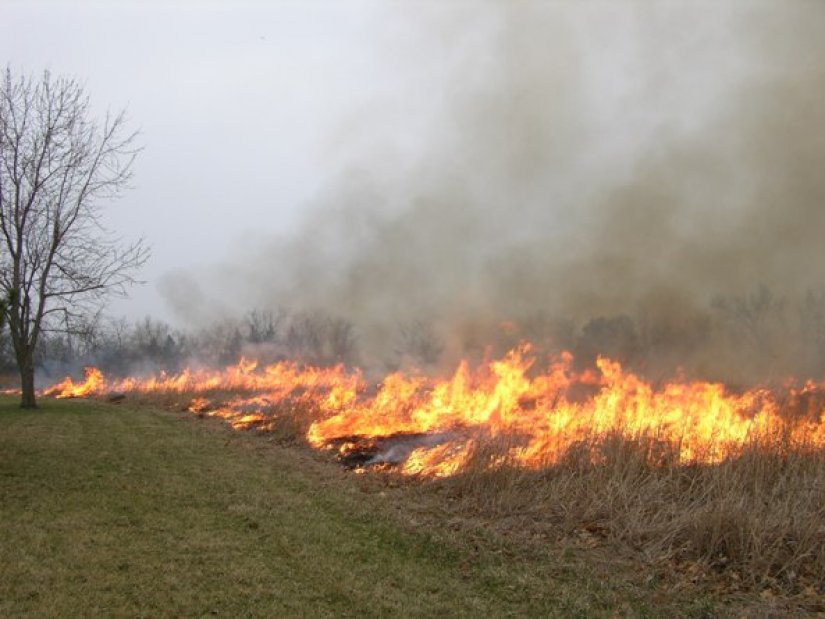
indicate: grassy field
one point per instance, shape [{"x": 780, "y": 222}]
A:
[{"x": 136, "y": 511}]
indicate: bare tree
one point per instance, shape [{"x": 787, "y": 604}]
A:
[
  {"x": 342, "y": 340},
  {"x": 4, "y": 308},
  {"x": 263, "y": 325},
  {"x": 755, "y": 319},
  {"x": 418, "y": 340},
  {"x": 57, "y": 166}
]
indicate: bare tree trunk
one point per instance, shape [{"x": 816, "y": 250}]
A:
[
  {"x": 26, "y": 364},
  {"x": 57, "y": 165}
]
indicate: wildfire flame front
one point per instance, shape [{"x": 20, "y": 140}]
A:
[{"x": 538, "y": 416}]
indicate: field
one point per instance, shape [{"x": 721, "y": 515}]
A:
[{"x": 140, "y": 511}]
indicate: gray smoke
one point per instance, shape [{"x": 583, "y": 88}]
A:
[
  {"x": 578, "y": 159},
  {"x": 398, "y": 450}
]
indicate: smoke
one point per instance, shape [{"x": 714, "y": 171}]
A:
[{"x": 570, "y": 160}]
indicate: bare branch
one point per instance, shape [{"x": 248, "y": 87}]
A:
[{"x": 57, "y": 167}]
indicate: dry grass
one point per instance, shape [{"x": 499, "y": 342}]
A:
[
  {"x": 285, "y": 421},
  {"x": 748, "y": 532},
  {"x": 753, "y": 525},
  {"x": 132, "y": 511},
  {"x": 125, "y": 512}
]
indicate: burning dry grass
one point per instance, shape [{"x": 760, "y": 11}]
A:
[
  {"x": 752, "y": 525},
  {"x": 711, "y": 489},
  {"x": 130, "y": 511}
]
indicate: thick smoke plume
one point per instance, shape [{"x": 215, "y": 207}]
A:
[{"x": 576, "y": 165}]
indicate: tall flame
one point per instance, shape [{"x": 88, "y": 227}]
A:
[
  {"x": 93, "y": 383},
  {"x": 538, "y": 416}
]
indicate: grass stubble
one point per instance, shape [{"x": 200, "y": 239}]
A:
[{"x": 134, "y": 510}]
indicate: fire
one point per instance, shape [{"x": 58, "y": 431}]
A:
[
  {"x": 93, "y": 384},
  {"x": 278, "y": 380},
  {"x": 532, "y": 417}
]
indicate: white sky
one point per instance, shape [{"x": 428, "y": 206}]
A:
[
  {"x": 244, "y": 108},
  {"x": 248, "y": 109}
]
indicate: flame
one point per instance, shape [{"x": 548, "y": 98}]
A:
[
  {"x": 278, "y": 380},
  {"x": 93, "y": 384},
  {"x": 534, "y": 418}
]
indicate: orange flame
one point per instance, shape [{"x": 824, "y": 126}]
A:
[
  {"x": 538, "y": 417},
  {"x": 93, "y": 384}
]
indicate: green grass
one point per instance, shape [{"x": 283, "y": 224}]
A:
[{"x": 139, "y": 512}]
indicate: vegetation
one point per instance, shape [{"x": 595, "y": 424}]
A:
[
  {"x": 752, "y": 524},
  {"x": 130, "y": 510},
  {"x": 57, "y": 164},
  {"x": 116, "y": 511},
  {"x": 738, "y": 340},
  {"x": 748, "y": 528}
]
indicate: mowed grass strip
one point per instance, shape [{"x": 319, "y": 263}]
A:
[
  {"x": 139, "y": 512},
  {"x": 116, "y": 511}
]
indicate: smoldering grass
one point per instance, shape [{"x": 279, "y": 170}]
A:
[{"x": 283, "y": 419}]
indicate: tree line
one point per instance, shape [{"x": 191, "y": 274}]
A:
[
  {"x": 121, "y": 347},
  {"x": 736, "y": 338}
]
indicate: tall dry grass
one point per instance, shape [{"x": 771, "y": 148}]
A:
[{"x": 757, "y": 518}]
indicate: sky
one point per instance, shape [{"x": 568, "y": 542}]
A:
[
  {"x": 243, "y": 108},
  {"x": 461, "y": 162},
  {"x": 246, "y": 110}
]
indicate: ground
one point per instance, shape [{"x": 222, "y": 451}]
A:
[{"x": 137, "y": 511}]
